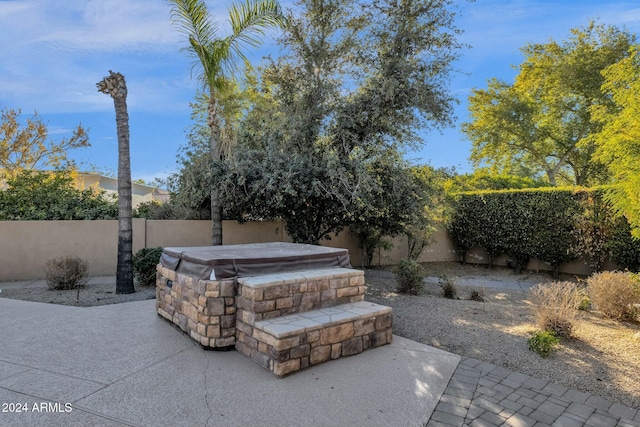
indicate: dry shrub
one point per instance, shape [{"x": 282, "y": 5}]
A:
[
  {"x": 66, "y": 272},
  {"x": 477, "y": 295},
  {"x": 449, "y": 288},
  {"x": 615, "y": 294},
  {"x": 555, "y": 306}
]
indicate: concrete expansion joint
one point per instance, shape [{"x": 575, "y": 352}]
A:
[{"x": 206, "y": 389}]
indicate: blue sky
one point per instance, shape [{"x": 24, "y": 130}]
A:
[{"x": 54, "y": 53}]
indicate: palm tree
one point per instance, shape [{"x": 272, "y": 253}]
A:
[
  {"x": 115, "y": 86},
  {"x": 217, "y": 60}
]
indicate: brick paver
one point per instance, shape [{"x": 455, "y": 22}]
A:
[{"x": 481, "y": 394}]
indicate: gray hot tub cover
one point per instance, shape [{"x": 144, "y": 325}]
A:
[{"x": 251, "y": 259}]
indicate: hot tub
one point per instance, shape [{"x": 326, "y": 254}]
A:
[{"x": 196, "y": 287}]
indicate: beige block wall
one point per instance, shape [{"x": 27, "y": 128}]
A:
[
  {"x": 234, "y": 233},
  {"x": 441, "y": 248},
  {"x": 177, "y": 233},
  {"x": 25, "y": 246}
]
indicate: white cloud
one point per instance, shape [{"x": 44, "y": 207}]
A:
[
  {"x": 90, "y": 25},
  {"x": 55, "y": 52}
]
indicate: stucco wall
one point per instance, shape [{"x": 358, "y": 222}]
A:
[{"x": 25, "y": 246}]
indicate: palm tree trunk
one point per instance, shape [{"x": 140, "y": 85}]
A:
[
  {"x": 216, "y": 206},
  {"x": 116, "y": 87}
]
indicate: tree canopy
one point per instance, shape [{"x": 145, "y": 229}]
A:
[
  {"x": 321, "y": 148},
  {"x": 36, "y": 196},
  {"x": 29, "y": 147},
  {"x": 618, "y": 144},
  {"x": 543, "y": 121}
]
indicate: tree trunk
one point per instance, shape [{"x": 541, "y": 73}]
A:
[
  {"x": 216, "y": 206},
  {"x": 116, "y": 87}
]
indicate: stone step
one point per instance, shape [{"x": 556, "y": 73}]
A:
[
  {"x": 293, "y": 342},
  {"x": 274, "y": 295}
]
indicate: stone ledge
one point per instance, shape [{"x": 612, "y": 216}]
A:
[
  {"x": 282, "y": 294},
  {"x": 269, "y": 280},
  {"x": 291, "y": 343},
  {"x": 294, "y": 324}
]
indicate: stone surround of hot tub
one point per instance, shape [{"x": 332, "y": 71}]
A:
[
  {"x": 291, "y": 321},
  {"x": 287, "y": 344},
  {"x": 285, "y": 321},
  {"x": 204, "y": 309},
  {"x": 274, "y": 295}
]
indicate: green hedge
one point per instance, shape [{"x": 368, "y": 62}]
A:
[{"x": 554, "y": 225}]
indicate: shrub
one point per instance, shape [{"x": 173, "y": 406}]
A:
[
  {"x": 555, "y": 306},
  {"x": 585, "y": 303},
  {"x": 615, "y": 294},
  {"x": 144, "y": 265},
  {"x": 539, "y": 223},
  {"x": 409, "y": 275},
  {"x": 66, "y": 273},
  {"x": 449, "y": 288},
  {"x": 624, "y": 248},
  {"x": 39, "y": 196},
  {"x": 543, "y": 342},
  {"x": 477, "y": 295}
]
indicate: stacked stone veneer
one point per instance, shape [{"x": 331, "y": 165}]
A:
[
  {"x": 291, "y": 321},
  {"x": 204, "y": 309},
  {"x": 285, "y": 322}
]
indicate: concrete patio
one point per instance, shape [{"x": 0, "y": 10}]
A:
[{"x": 121, "y": 365}]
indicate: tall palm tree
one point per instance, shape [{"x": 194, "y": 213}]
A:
[
  {"x": 217, "y": 60},
  {"x": 115, "y": 86}
]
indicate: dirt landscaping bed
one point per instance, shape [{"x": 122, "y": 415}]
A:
[{"x": 602, "y": 359}]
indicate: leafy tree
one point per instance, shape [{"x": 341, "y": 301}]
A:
[
  {"x": 484, "y": 179},
  {"x": 619, "y": 141},
  {"x": 543, "y": 120},
  {"x": 430, "y": 208},
  {"x": 404, "y": 200},
  {"x": 38, "y": 196},
  {"x": 115, "y": 86},
  {"x": 29, "y": 146},
  {"x": 217, "y": 59},
  {"x": 312, "y": 193},
  {"x": 356, "y": 84}
]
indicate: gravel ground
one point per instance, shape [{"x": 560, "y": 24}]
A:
[
  {"x": 602, "y": 359},
  {"x": 89, "y": 295}
]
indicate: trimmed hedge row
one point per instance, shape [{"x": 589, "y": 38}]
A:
[{"x": 554, "y": 225}]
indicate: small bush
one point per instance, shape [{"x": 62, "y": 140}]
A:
[
  {"x": 585, "y": 304},
  {"x": 477, "y": 295},
  {"x": 409, "y": 275},
  {"x": 543, "y": 342},
  {"x": 615, "y": 293},
  {"x": 66, "y": 273},
  {"x": 449, "y": 288},
  {"x": 555, "y": 306},
  {"x": 144, "y": 265}
]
